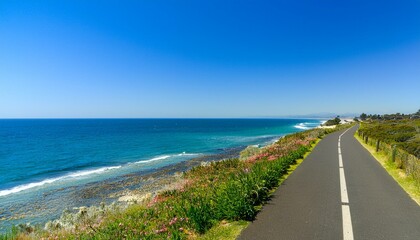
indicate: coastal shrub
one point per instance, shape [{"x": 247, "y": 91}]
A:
[
  {"x": 14, "y": 231},
  {"x": 231, "y": 201},
  {"x": 332, "y": 122},
  {"x": 200, "y": 214},
  {"x": 403, "y": 133},
  {"x": 399, "y": 140},
  {"x": 249, "y": 151}
]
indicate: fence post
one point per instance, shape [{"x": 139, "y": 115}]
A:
[
  {"x": 377, "y": 145},
  {"x": 394, "y": 152}
]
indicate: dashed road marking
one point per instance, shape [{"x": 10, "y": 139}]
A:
[
  {"x": 347, "y": 226},
  {"x": 345, "y": 208}
]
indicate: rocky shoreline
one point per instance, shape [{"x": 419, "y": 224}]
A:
[{"x": 121, "y": 191}]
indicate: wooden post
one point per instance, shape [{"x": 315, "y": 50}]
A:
[
  {"x": 394, "y": 152},
  {"x": 377, "y": 145}
]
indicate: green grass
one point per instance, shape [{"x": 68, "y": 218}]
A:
[
  {"x": 406, "y": 182},
  {"x": 231, "y": 230},
  {"x": 225, "y": 230},
  {"x": 403, "y": 133}
]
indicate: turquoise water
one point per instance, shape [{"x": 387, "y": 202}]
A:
[{"x": 37, "y": 156}]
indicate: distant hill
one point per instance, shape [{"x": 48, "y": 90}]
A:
[{"x": 323, "y": 115}]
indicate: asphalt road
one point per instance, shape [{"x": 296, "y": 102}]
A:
[{"x": 329, "y": 198}]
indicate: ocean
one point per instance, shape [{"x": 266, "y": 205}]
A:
[{"x": 45, "y": 163}]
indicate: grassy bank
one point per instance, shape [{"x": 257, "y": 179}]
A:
[
  {"x": 398, "y": 140},
  {"x": 404, "y": 133},
  {"x": 393, "y": 144},
  {"x": 212, "y": 201}
]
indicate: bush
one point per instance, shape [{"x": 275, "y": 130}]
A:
[
  {"x": 402, "y": 133},
  {"x": 332, "y": 122},
  {"x": 399, "y": 140}
]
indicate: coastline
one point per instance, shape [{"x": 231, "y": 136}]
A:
[
  {"x": 165, "y": 179},
  {"x": 122, "y": 190},
  {"x": 174, "y": 184}
]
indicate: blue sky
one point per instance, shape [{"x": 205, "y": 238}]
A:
[{"x": 208, "y": 58}]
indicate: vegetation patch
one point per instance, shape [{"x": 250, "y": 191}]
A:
[
  {"x": 332, "y": 122},
  {"x": 225, "y": 230},
  {"x": 408, "y": 183},
  {"x": 404, "y": 134},
  {"x": 398, "y": 140},
  {"x": 394, "y": 140}
]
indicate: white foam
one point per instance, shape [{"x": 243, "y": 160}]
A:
[
  {"x": 301, "y": 126},
  {"x": 52, "y": 180},
  {"x": 155, "y": 159},
  {"x": 308, "y": 125},
  {"x": 82, "y": 174},
  {"x": 167, "y": 156},
  {"x": 188, "y": 154},
  {"x": 89, "y": 172},
  {"x": 27, "y": 186},
  {"x": 311, "y": 123}
]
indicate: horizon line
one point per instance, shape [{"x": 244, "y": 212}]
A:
[{"x": 81, "y": 118}]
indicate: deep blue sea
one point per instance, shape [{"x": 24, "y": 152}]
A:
[{"x": 39, "y": 155}]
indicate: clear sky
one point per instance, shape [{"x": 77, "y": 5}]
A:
[{"x": 152, "y": 58}]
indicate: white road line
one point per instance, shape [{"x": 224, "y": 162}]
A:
[
  {"x": 340, "y": 161},
  {"x": 344, "y": 133},
  {"x": 344, "y": 196},
  {"x": 347, "y": 225}
]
